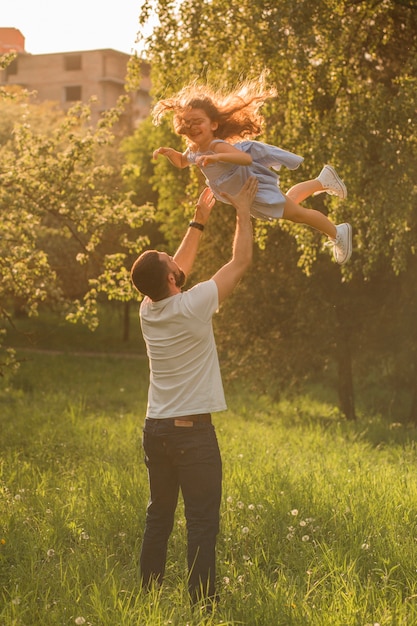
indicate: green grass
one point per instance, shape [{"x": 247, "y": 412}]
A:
[{"x": 319, "y": 516}]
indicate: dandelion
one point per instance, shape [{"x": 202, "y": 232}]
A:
[
  {"x": 18, "y": 497},
  {"x": 365, "y": 546},
  {"x": 79, "y": 620},
  {"x": 229, "y": 499},
  {"x": 51, "y": 553},
  {"x": 226, "y": 580},
  {"x": 240, "y": 505},
  {"x": 303, "y": 523},
  {"x": 245, "y": 530},
  {"x": 16, "y": 600},
  {"x": 3, "y": 541},
  {"x": 85, "y": 536},
  {"x": 294, "y": 512},
  {"x": 290, "y": 536},
  {"x": 305, "y": 538}
]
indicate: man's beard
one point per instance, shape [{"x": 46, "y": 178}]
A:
[{"x": 179, "y": 278}]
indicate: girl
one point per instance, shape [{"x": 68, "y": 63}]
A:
[{"x": 211, "y": 121}]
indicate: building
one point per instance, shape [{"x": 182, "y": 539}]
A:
[
  {"x": 11, "y": 40},
  {"x": 70, "y": 77}
]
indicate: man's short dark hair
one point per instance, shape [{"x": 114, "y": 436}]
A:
[{"x": 149, "y": 275}]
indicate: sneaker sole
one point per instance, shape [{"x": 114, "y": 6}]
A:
[
  {"x": 340, "y": 181},
  {"x": 350, "y": 247}
]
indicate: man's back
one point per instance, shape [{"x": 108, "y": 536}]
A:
[{"x": 184, "y": 368}]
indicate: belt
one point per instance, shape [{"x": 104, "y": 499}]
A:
[{"x": 184, "y": 421}]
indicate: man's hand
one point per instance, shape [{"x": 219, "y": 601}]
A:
[
  {"x": 243, "y": 200},
  {"x": 204, "y": 206}
]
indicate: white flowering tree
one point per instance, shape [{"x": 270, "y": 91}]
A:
[{"x": 64, "y": 211}]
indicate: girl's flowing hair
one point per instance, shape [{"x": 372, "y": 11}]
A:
[{"x": 237, "y": 112}]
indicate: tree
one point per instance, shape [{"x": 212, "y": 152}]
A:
[
  {"x": 346, "y": 76},
  {"x": 62, "y": 206}
]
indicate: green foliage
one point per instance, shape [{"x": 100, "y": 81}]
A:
[
  {"x": 346, "y": 76},
  {"x": 69, "y": 225}
]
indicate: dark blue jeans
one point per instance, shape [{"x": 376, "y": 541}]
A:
[{"x": 186, "y": 458}]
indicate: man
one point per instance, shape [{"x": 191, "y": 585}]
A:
[{"x": 179, "y": 440}]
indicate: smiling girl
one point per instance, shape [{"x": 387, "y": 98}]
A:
[{"x": 219, "y": 130}]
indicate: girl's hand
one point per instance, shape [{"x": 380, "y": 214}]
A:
[
  {"x": 177, "y": 158},
  {"x": 202, "y": 161},
  {"x": 162, "y": 150}
]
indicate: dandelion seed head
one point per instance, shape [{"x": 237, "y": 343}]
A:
[
  {"x": 303, "y": 523},
  {"x": 18, "y": 497},
  {"x": 85, "y": 536},
  {"x": 245, "y": 530},
  {"x": 251, "y": 507},
  {"x": 294, "y": 512},
  {"x": 226, "y": 580},
  {"x": 229, "y": 499},
  {"x": 240, "y": 505},
  {"x": 305, "y": 538},
  {"x": 51, "y": 552},
  {"x": 365, "y": 546},
  {"x": 79, "y": 620}
]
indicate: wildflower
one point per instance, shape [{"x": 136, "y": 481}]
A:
[
  {"x": 226, "y": 580},
  {"x": 305, "y": 538},
  {"x": 290, "y": 536},
  {"x": 18, "y": 497},
  {"x": 240, "y": 505},
  {"x": 245, "y": 530},
  {"x": 3, "y": 541},
  {"x": 84, "y": 535},
  {"x": 79, "y": 621},
  {"x": 251, "y": 507},
  {"x": 303, "y": 523},
  {"x": 229, "y": 499},
  {"x": 365, "y": 546},
  {"x": 51, "y": 552},
  {"x": 294, "y": 512}
]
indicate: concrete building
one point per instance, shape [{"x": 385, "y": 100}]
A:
[{"x": 70, "y": 77}]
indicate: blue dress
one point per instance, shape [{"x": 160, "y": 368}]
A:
[{"x": 269, "y": 201}]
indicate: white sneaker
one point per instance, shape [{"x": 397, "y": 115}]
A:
[
  {"x": 331, "y": 182},
  {"x": 342, "y": 245}
]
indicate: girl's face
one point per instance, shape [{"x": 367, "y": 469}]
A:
[{"x": 197, "y": 126}]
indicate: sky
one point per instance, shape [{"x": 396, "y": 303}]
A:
[{"x": 73, "y": 25}]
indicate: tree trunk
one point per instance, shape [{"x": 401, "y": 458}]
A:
[
  {"x": 412, "y": 416},
  {"x": 126, "y": 321},
  {"x": 344, "y": 363}
]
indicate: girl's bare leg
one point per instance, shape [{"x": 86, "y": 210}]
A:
[
  {"x": 327, "y": 181},
  {"x": 300, "y": 215},
  {"x": 301, "y": 191}
]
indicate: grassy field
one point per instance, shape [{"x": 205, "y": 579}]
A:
[{"x": 319, "y": 516}]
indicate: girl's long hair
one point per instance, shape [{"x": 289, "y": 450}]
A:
[{"x": 236, "y": 112}]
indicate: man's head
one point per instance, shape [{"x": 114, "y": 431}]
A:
[{"x": 156, "y": 275}]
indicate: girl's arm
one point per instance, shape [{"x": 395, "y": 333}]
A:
[
  {"x": 177, "y": 158},
  {"x": 225, "y": 153}
]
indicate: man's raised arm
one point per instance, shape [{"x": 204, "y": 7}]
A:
[
  {"x": 187, "y": 251},
  {"x": 230, "y": 274}
]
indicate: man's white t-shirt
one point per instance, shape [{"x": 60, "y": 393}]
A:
[{"x": 185, "y": 374}]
